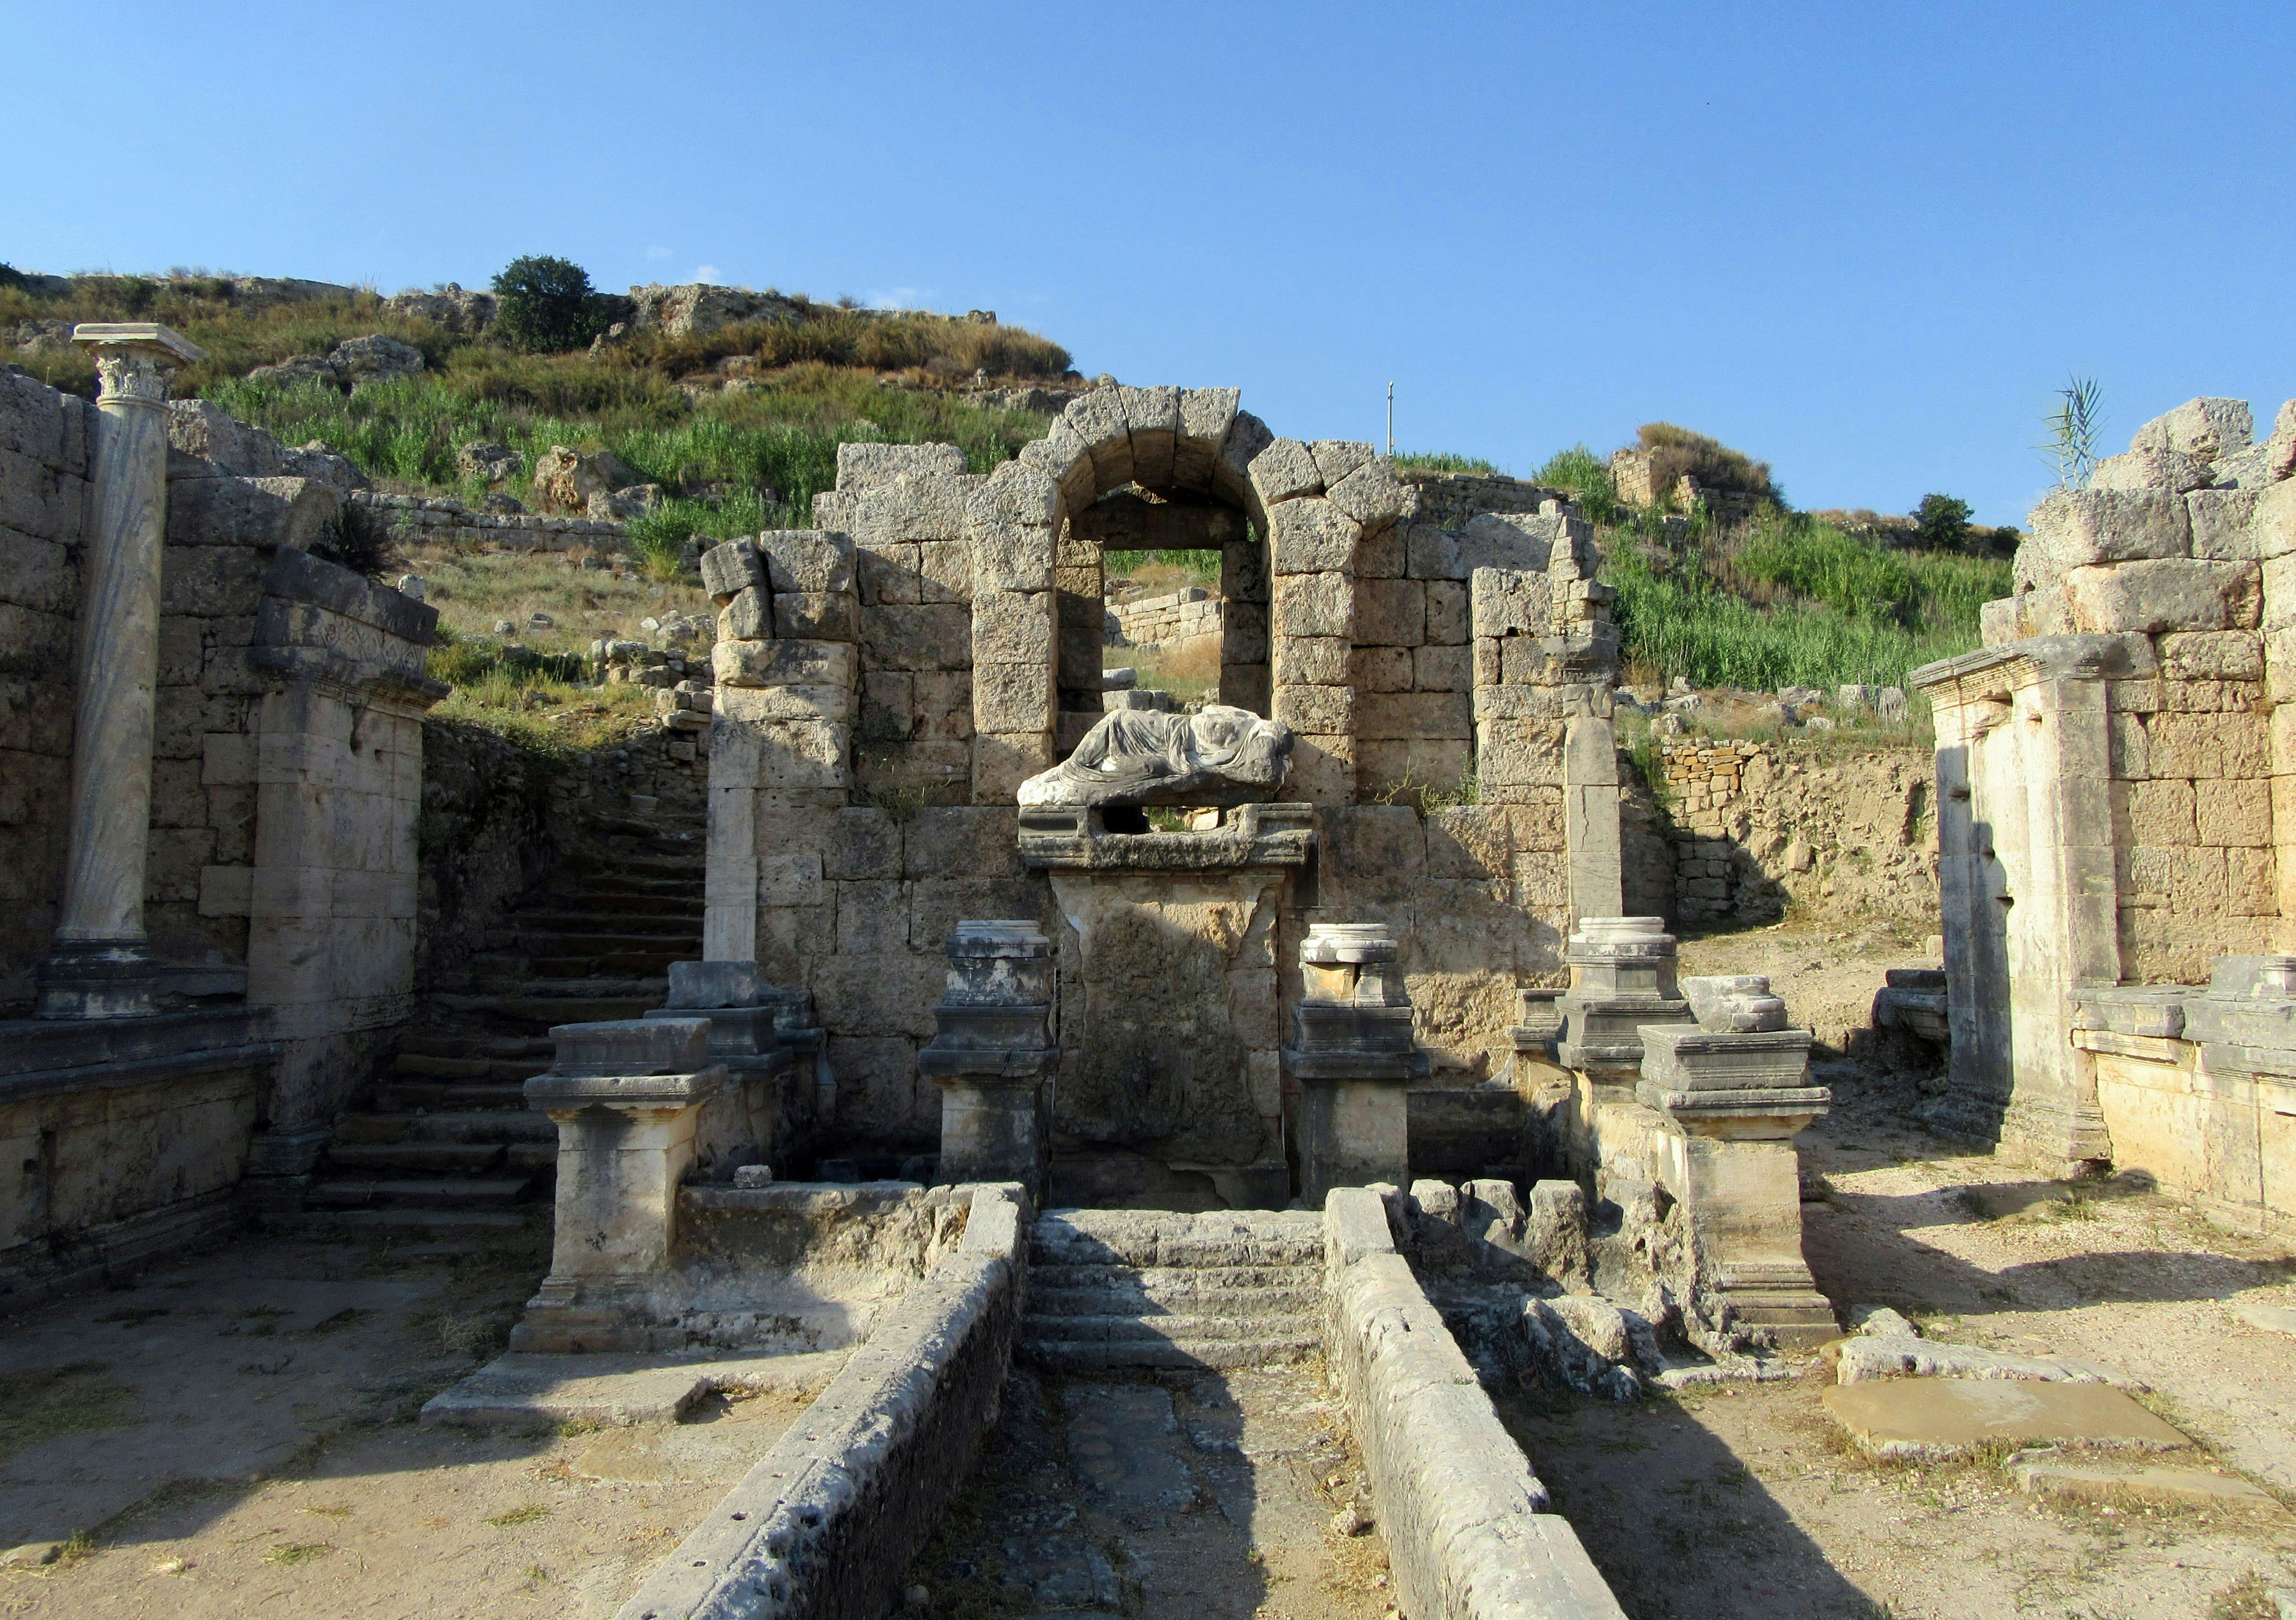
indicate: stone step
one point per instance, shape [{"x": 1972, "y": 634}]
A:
[
  {"x": 406, "y": 1096},
  {"x": 619, "y": 880},
  {"x": 1170, "y": 1243},
  {"x": 1196, "y": 1279},
  {"x": 582, "y": 897},
  {"x": 536, "y": 1156},
  {"x": 676, "y": 868},
  {"x": 475, "y": 1043},
  {"x": 1073, "y": 1355},
  {"x": 1168, "y": 1296},
  {"x": 578, "y": 941},
  {"x": 418, "y": 1192},
  {"x": 642, "y": 931},
  {"x": 437, "y": 1159},
  {"x": 495, "y": 1126},
  {"x": 400, "y": 1223},
  {"x": 627, "y": 964},
  {"x": 546, "y": 1010},
  {"x": 429, "y": 1065},
  {"x": 1194, "y": 1329}
]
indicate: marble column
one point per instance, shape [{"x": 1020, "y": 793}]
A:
[{"x": 99, "y": 966}]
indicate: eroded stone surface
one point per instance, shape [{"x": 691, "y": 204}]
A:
[{"x": 1951, "y": 1416}]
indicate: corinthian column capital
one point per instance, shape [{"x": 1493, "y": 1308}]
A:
[{"x": 133, "y": 359}]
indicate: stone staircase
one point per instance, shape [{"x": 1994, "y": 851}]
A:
[
  {"x": 1111, "y": 1288},
  {"x": 448, "y": 1142}
]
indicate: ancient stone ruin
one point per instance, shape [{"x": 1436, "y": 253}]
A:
[{"x": 1005, "y": 1016}]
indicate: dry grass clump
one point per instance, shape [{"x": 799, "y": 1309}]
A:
[
  {"x": 1185, "y": 669},
  {"x": 1676, "y": 450},
  {"x": 941, "y": 345}
]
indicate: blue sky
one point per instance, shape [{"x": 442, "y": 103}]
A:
[{"x": 1864, "y": 243}]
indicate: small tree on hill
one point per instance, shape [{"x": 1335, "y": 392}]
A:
[
  {"x": 547, "y": 304},
  {"x": 1942, "y": 520}
]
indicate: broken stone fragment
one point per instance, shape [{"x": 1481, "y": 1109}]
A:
[{"x": 1737, "y": 1004}]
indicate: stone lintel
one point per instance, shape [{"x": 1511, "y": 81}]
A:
[
  {"x": 1061, "y": 838},
  {"x": 631, "y": 1046},
  {"x": 560, "y": 1093},
  {"x": 2039, "y": 658},
  {"x": 139, "y": 337},
  {"x": 1399, "y": 1068}
]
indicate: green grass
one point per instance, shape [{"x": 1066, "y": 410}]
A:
[
  {"x": 1436, "y": 461},
  {"x": 53, "y": 1401},
  {"x": 1793, "y": 601}
]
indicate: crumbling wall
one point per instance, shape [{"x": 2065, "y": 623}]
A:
[
  {"x": 888, "y": 680},
  {"x": 1750, "y": 830}
]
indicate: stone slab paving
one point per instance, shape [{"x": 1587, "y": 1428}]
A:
[
  {"x": 1911, "y": 1417},
  {"x": 2167, "y": 1486},
  {"x": 1197, "y": 1495}
]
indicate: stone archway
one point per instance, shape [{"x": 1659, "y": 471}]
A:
[{"x": 1314, "y": 504}]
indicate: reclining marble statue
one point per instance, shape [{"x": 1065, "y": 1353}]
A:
[{"x": 1218, "y": 756}]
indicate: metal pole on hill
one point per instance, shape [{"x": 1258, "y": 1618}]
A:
[{"x": 1391, "y": 420}]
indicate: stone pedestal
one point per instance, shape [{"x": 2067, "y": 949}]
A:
[
  {"x": 1731, "y": 1091},
  {"x": 1354, "y": 1058},
  {"x": 627, "y": 1097},
  {"x": 779, "y": 1088},
  {"x": 100, "y": 965},
  {"x": 993, "y": 1055},
  {"x": 1621, "y": 979}
]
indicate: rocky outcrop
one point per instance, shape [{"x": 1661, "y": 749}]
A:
[
  {"x": 699, "y": 308},
  {"x": 564, "y": 479},
  {"x": 371, "y": 359},
  {"x": 450, "y": 306}
]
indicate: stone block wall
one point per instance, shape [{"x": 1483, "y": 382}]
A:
[
  {"x": 45, "y": 442},
  {"x": 286, "y": 772},
  {"x": 2114, "y": 766},
  {"x": 442, "y": 521},
  {"x": 1148, "y": 621},
  {"x": 1752, "y": 827},
  {"x": 876, "y": 717}
]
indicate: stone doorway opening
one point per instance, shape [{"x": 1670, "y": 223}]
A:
[{"x": 1163, "y": 604}]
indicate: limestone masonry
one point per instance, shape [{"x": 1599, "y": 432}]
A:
[{"x": 914, "y": 1010}]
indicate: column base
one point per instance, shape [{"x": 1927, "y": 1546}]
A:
[
  {"x": 122, "y": 979},
  {"x": 1776, "y": 1302}
]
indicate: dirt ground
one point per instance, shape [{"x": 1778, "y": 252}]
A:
[
  {"x": 1744, "y": 1501},
  {"x": 1208, "y": 1496},
  {"x": 234, "y": 1436}
]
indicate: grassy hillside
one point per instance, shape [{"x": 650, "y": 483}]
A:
[
  {"x": 735, "y": 460},
  {"x": 1780, "y": 598}
]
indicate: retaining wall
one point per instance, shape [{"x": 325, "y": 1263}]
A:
[
  {"x": 1468, "y": 1533},
  {"x": 828, "y": 1519}
]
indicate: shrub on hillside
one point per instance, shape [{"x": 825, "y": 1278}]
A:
[
  {"x": 1676, "y": 450},
  {"x": 547, "y": 304},
  {"x": 1942, "y": 522}
]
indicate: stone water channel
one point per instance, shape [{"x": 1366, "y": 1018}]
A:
[{"x": 1203, "y": 1494}]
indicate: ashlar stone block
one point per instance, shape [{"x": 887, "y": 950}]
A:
[
  {"x": 807, "y": 560},
  {"x": 1313, "y": 604},
  {"x": 1311, "y": 536},
  {"x": 2155, "y": 596},
  {"x": 1286, "y": 471}
]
